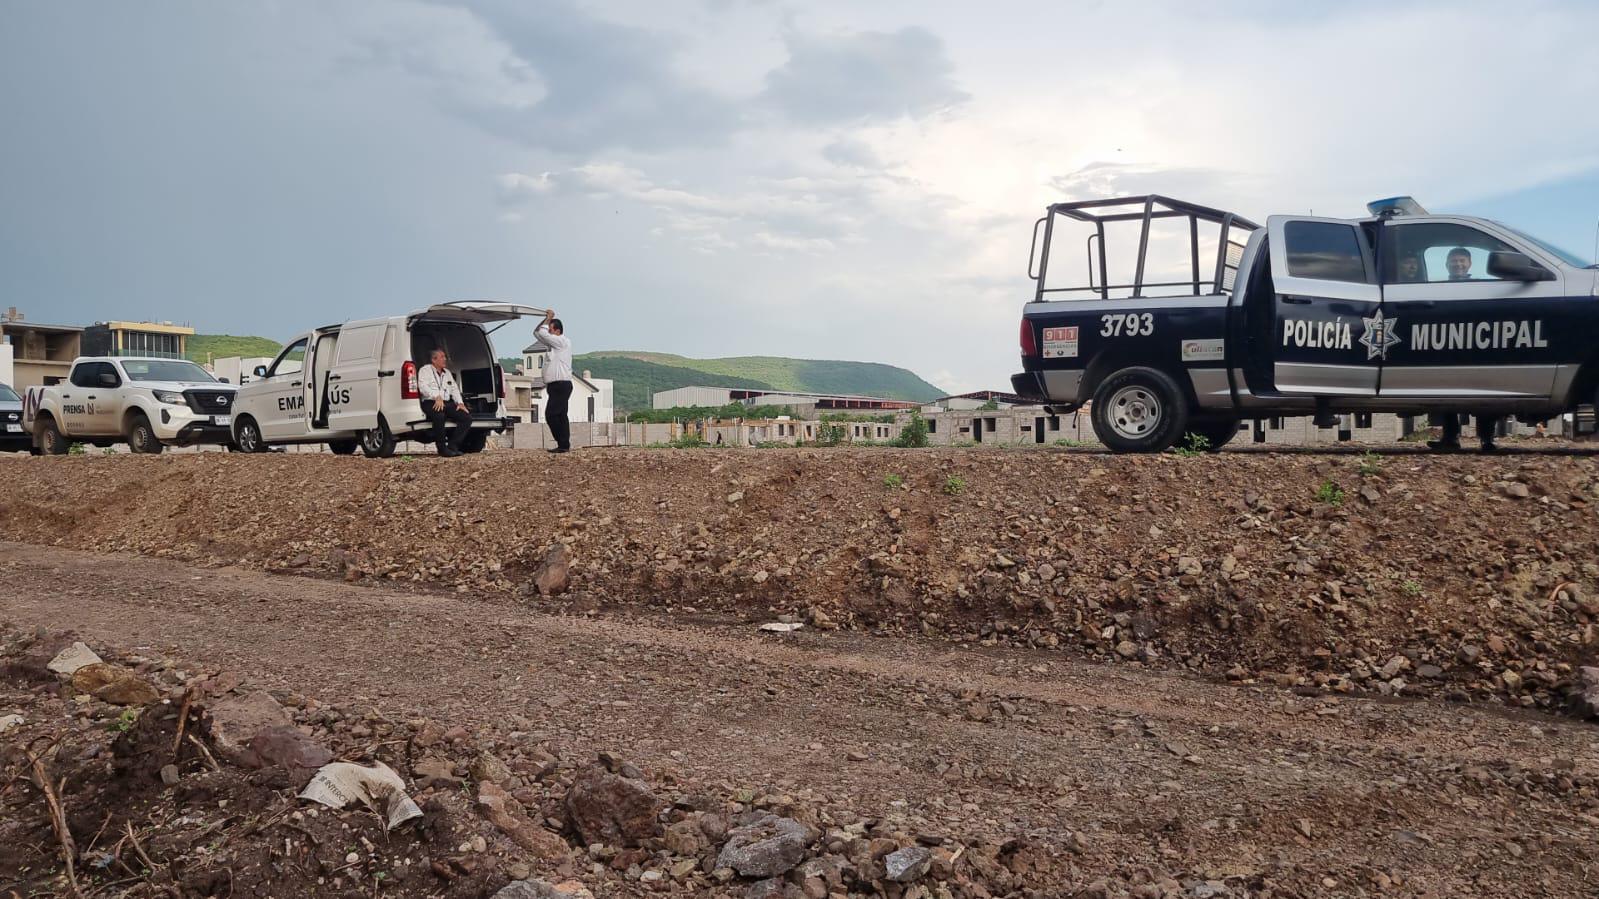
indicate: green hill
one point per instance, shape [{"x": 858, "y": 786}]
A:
[
  {"x": 639, "y": 375},
  {"x": 204, "y": 347}
]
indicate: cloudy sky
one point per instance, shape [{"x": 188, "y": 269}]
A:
[{"x": 725, "y": 177}]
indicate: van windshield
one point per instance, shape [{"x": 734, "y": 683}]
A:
[{"x": 166, "y": 370}]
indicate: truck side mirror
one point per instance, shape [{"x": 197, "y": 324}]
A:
[
  {"x": 108, "y": 379},
  {"x": 1517, "y": 267},
  {"x": 260, "y": 371},
  {"x": 223, "y": 380}
]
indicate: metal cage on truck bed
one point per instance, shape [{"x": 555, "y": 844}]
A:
[{"x": 1233, "y": 233}]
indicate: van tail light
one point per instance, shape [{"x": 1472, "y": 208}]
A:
[
  {"x": 1029, "y": 342},
  {"x": 408, "y": 389},
  {"x": 499, "y": 378}
]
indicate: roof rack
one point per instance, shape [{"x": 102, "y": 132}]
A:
[{"x": 1143, "y": 209}]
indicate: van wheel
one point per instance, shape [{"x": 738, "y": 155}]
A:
[
  {"x": 378, "y": 442},
  {"x": 475, "y": 442},
  {"x": 142, "y": 439},
  {"x": 1216, "y": 434},
  {"x": 51, "y": 441},
  {"x": 342, "y": 447},
  {"x": 1139, "y": 410},
  {"x": 248, "y": 437}
]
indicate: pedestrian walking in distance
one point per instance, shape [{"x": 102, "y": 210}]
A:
[{"x": 557, "y": 379}]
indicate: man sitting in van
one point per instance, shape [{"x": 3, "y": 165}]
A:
[{"x": 441, "y": 402}]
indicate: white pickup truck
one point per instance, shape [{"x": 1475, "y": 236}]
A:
[{"x": 149, "y": 403}]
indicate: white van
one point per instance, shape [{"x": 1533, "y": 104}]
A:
[{"x": 355, "y": 384}]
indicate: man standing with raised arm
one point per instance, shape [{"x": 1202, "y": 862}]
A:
[{"x": 557, "y": 379}]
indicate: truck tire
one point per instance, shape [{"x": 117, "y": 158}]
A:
[
  {"x": 141, "y": 437},
  {"x": 51, "y": 441},
  {"x": 475, "y": 442},
  {"x": 1216, "y": 433},
  {"x": 1139, "y": 410},
  {"x": 343, "y": 447},
  {"x": 248, "y": 437},
  {"x": 378, "y": 442}
]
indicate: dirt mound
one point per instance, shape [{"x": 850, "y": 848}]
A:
[
  {"x": 1470, "y": 576},
  {"x": 194, "y": 794}
]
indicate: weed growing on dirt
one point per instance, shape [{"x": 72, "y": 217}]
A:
[
  {"x": 688, "y": 441},
  {"x": 124, "y": 721},
  {"x": 1065, "y": 441},
  {"x": 1411, "y": 587},
  {"x": 1370, "y": 464},
  {"x": 1193, "y": 445},
  {"x": 77, "y": 449},
  {"x": 893, "y": 480},
  {"x": 954, "y": 484},
  {"x": 1330, "y": 493}
]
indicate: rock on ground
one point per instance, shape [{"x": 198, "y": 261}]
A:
[
  {"x": 608, "y": 808},
  {"x": 765, "y": 847}
]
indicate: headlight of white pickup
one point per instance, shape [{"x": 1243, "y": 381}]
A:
[{"x": 169, "y": 396}]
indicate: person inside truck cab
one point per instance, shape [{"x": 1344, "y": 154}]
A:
[
  {"x": 441, "y": 401},
  {"x": 1409, "y": 269},
  {"x": 1459, "y": 264}
]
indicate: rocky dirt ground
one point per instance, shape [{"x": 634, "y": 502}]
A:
[{"x": 1032, "y": 674}]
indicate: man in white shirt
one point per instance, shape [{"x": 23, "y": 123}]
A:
[
  {"x": 441, "y": 401},
  {"x": 557, "y": 379}
]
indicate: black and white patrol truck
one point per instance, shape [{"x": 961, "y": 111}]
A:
[{"x": 1402, "y": 311}]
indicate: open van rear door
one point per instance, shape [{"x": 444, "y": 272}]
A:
[
  {"x": 480, "y": 312},
  {"x": 1329, "y": 336}
]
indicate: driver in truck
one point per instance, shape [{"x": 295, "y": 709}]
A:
[
  {"x": 1459, "y": 263},
  {"x": 441, "y": 401}
]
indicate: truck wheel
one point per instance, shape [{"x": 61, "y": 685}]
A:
[
  {"x": 141, "y": 437},
  {"x": 378, "y": 442},
  {"x": 51, "y": 441},
  {"x": 475, "y": 442},
  {"x": 1216, "y": 434},
  {"x": 1139, "y": 410},
  {"x": 248, "y": 437},
  {"x": 342, "y": 447}
]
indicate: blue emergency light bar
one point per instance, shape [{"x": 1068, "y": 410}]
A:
[{"x": 1395, "y": 206}]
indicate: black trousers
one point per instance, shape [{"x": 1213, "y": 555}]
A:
[
  {"x": 452, "y": 411},
  {"x": 560, "y": 393}
]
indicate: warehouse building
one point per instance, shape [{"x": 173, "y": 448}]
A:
[{"x": 803, "y": 404}]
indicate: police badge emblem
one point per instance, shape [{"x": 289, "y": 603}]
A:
[{"x": 1380, "y": 336}]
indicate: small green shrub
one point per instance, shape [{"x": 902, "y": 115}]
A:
[
  {"x": 77, "y": 449},
  {"x": 954, "y": 485},
  {"x": 1330, "y": 493},
  {"x": 1370, "y": 464},
  {"x": 124, "y": 721},
  {"x": 828, "y": 435},
  {"x": 914, "y": 434},
  {"x": 1193, "y": 445},
  {"x": 1411, "y": 587},
  {"x": 688, "y": 440},
  {"x": 1066, "y": 441},
  {"x": 893, "y": 480}
]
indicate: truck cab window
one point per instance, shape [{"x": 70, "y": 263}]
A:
[
  {"x": 290, "y": 361},
  {"x": 1433, "y": 252},
  {"x": 1325, "y": 251}
]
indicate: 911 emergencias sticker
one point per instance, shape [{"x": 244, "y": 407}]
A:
[{"x": 1060, "y": 343}]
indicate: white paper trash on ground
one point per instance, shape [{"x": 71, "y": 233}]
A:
[
  {"x": 781, "y": 627},
  {"x": 337, "y": 784}
]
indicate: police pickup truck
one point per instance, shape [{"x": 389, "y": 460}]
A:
[
  {"x": 150, "y": 403},
  {"x": 1402, "y": 312}
]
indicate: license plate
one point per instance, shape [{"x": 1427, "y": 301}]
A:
[
  {"x": 14, "y": 429},
  {"x": 222, "y": 419}
]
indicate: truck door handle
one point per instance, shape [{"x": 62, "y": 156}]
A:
[
  {"x": 1297, "y": 301},
  {"x": 386, "y": 373},
  {"x": 335, "y": 377},
  {"x": 294, "y": 383}
]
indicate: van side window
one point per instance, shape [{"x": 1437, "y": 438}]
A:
[
  {"x": 1433, "y": 252},
  {"x": 360, "y": 344},
  {"x": 290, "y": 361},
  {"x": 1325, "y": 251}
]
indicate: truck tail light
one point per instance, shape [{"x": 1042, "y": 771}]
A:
[
  {"x": 499, "y": 379},
  {"x": 408, "y": 389},
  {"x": 1029, "y": 342}
]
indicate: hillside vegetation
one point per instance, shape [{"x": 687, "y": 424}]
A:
[
  {"x": 639, "y": 375},
  {"x": 205, "y": 347}
]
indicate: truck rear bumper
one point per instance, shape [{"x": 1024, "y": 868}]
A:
[{"x": 1057, "y": 387}]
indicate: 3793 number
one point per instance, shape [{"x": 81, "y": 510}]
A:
[{"x": 1129, "y": 324}]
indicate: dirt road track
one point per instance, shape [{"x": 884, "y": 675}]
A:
[{"x": 1119, "y": 767}]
